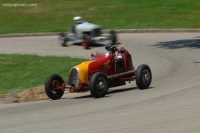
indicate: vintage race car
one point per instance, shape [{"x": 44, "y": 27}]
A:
[
  {"x": 87, "y": 32},
  {"x": 108, "y": 68}
]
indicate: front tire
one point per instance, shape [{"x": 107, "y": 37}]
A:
[
  {"x": 98, "y": 85},
  {"x": 51, "y": 86},
  {"x": 143, "y": 77},
  {"x": 87, "y": 41}
]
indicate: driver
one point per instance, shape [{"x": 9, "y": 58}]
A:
[
  {"x": 78, "y": 20},
  {"x": 118, "y": 54}
]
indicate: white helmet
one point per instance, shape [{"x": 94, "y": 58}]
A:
[{"x": 77, "y": 18}]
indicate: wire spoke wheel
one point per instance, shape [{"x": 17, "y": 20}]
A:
[{"x": 53, "y": 85}]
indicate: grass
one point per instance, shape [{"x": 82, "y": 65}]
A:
[
  {"x": 19, "y": 72},
  {"x": 56, "y": 15}
]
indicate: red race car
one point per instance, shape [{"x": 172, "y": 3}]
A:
[{"x": 109, "y": 68}]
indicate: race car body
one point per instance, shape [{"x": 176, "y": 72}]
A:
[{"x": 108, "y": 68}]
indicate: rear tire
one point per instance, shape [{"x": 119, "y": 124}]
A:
[
  {"x": 98, "y": 85},
  {"x": 63, "y": 40},
  {"x": 143, "y": 77},
  {"x": 113, "y": 37},
  {"x": 50, "y": 84}
]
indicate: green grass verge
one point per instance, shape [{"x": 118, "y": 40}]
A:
[
  {"x": 56, "y": 15},
  {"x": 19, "y": 72}
]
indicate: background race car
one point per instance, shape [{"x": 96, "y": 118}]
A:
[{"x": 85, "y": 33}]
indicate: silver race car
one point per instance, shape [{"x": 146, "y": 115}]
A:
[{"x": 86, "y": 34}]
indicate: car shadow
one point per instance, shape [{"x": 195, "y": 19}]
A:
[
  {"x": 111, "y": 92},
  {"x": 98, "y": 45},
  {"x": 121, "y": 90},
  {"x": 187, "y": 43},
  {"x": 93, "y": 45},
  {"x": 197, "y": 62},
  {"x": 197, "y": 37}
]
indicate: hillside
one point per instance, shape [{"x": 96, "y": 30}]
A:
[{"x": 56, "y": 16}]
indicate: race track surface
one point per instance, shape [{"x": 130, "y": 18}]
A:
[{"x": 171, "y": 105}]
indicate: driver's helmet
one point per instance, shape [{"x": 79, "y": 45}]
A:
[
  {"x": 78, "y": 20},
  {"x": 107, "y": 47}
]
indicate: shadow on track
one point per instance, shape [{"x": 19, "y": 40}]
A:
[
  {"x": 93, "y": 45},
  {"x": 109, "y": 92},
  {"x": 188, "y": 43},
  {"x": 197, "y": 62}
]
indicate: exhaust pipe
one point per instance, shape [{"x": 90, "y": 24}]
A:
[{"x": 121, "y": 74}]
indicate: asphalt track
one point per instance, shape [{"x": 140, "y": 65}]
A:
[{"x": 171, "y": 105}]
